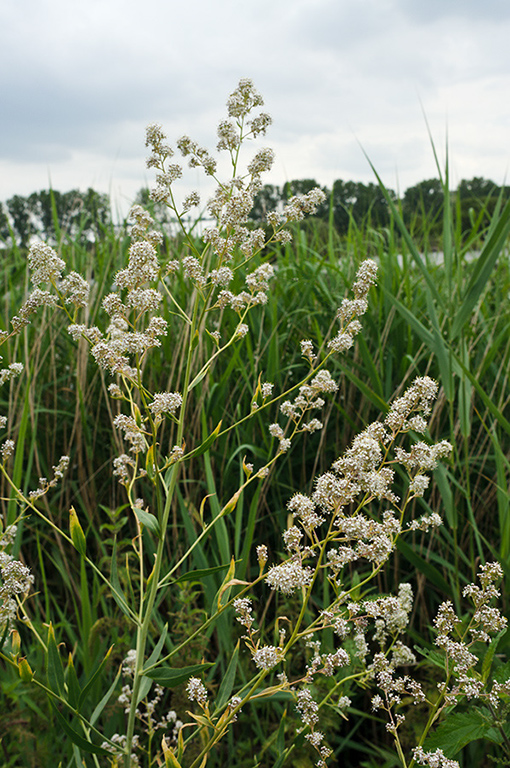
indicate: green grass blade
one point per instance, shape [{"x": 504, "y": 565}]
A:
[{"x": 482, "y": 271}]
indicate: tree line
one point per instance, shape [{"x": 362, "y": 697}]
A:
[{"x": 86, "y": 216}]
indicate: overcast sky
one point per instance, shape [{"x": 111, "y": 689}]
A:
[{"x": 81, "y": 80}]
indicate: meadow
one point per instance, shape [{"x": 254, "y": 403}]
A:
[{"x": 160, "y": 618}]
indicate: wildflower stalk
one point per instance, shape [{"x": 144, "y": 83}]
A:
[{"x": 146, "y": 607}]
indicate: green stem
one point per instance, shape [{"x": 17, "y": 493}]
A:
[{"x": 146, "y": 607}]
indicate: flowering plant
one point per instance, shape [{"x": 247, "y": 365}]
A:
[{"x": 330, "y": 626}]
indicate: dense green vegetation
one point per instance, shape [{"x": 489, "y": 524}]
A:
[
  {"x": 86, "y": 216},
  {"x": 444, "y": 316}
]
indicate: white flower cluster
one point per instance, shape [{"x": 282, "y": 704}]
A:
[
  {"x": 197, "y": 691},
  {"x": 232, "y": 200},
  {"x": 418, "y": 398},
  {"x": 425, "y": 522},
  {"x": 423, "y": 457},
  {"x": 44, "y": 485},
  {"x": 75, "y": 289},
  {"x": 147, "y": 715},
  {"x": 363, "y": 471},
  {"x": 289, "y": 576},
  {"x": 436, "y": 759},
  {"x": 486, "y": 622},
  {"x": 165, "y": 402},
  {"x": 112, "y": 353},
  {"x": 391, "y": 614},
  {"x": 44, "y": 264},
  {"x": 13, "y": 370},
  {"x": 297, "y": 208},
  {"x": 276, "y": 431},
  {"x": 16, "y": 580},
  {"x": 351, "y": 309},
  {"x": 143, "y": 266},
  {"x": 38, "y": 298},
  {"x": 307, "y": 707},
  {"x": 46, "y": 267},
  {"x": 119, "y": 745},
  {"x": 267, "y": 657},
  {"x": 382, "y": 670},
  {"x": 243, "y": 609},
  {"x": 121, "y": 466},
  {"x": 326, "y": 663},
  {"x": 257, "y": 284},
  {"x": 133, "y": 433}
]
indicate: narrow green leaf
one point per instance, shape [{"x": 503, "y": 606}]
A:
[
  {"x": 435, "y": 657},
  {"x": 443, "y": 483},
  {"x": 502, "y": 468},
  {"x": 148, "y": 520},
  {"x": 73, "y": 685},
  {"x": 487, "y": 401},
  {"x": 206, "y": 444},
  {"x": 106, "y": 698},
  {"x": 415, "y": 254},
  {"x": 76, "y": 531},
  {"x": 54, "y": 666},
  {"x": 280, "y": 738},
  {"x": 200, "y": 573},
  {"x": 170, "y": 677},
  {"x": 77, "y": 757},
  {"x": 19, "y": 469},
  {"x": 156, "y": 653},
  {"x": 489, "y": 656},
  {"x": 439, "y": 349},
  {"x": 424, "y": 334},
  {"x": 88, "y": 685},
  {"x": 117, "y": 593},
  {"x": 75, "y": 737},
  {"x": 483, "y": 268},
  {"x": 198, "y": 378},
  {"x": 227, "y": 684},
  {"x": 145, "y": 686},
  {"x": 220, "y": 529},
  {"x": 372, "y": 396}
]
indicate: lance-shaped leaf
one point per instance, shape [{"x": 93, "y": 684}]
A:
[
  {"x": 54, "y": 667},
  {"x": 148, "y": 520},
  {"x": 227, "y": 684},
  {"x": 25, "y": 671},
  {"x": 169, "y": 677},
  {"x": 206, "y": 444},
  {"x": 77, "y": 738},
  {"x": 76, "y": 531}
]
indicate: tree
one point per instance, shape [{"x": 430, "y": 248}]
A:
[
  {"x": 5, "y": 230},
  {"x": 361, "y": 202},
  {"x": 477, "y": 199},
  {"x": 423, "y": 201},
  {"x": 477, "y": 188},
  {"x": 20, "y": 216},
  {"x": 268, "y": 199},
  {"x": 52, "y": 215}
]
